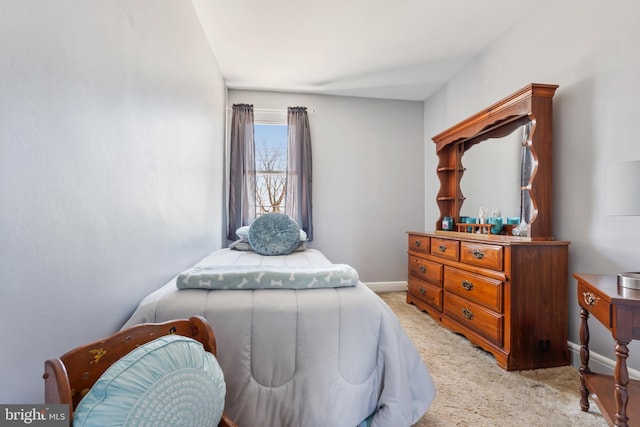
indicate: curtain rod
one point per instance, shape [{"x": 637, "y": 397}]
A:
[{"x": 275, "y": 110}]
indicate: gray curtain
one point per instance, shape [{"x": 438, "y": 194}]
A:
[
  {"x": 298, "y": 204},
  {"x": 242, "y": 170}
]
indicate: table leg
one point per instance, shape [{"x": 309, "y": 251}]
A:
[
  {"x": 621, "y": 377},
  {"x": 584, "y": 358}
]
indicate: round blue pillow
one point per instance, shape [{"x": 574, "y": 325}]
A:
[
  {"x": 274, "y": 234},
  {"x": 171, "y": 381}
]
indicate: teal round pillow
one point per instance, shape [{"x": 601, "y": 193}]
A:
[
  {"x": 169, "y": 382},
  {"x": 274, "y": 234}
]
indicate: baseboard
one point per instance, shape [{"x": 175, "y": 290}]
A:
[
  {"x": 387, "y": 286},
  {"x": 597, "y": 362}
]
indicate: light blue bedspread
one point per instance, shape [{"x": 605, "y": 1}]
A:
[{"x": 303, "y": 357}]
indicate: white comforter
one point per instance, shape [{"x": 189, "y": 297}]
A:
[{"x": 312, "y": 357}]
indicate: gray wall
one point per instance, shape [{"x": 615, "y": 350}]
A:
[
  {"x": 111, "y": 169},
  {"x": 368, "y": 177},
  {"x": 590, "y": 48}
]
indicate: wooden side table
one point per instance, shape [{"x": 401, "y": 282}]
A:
[{"x": 618, "y": 309}]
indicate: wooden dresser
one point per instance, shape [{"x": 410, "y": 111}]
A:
[
  {"x": 506, "y": 295},
  {"x": 505, "y": 288}
]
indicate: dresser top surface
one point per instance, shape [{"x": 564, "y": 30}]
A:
[{"x": 492, "y": 238}]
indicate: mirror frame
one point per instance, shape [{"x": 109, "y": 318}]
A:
[{"x": 531, "y": 104}]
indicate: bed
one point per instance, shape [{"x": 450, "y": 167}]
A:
[{"x": 301, "y": 355}]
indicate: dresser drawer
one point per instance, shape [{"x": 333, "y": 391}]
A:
[
  {"x": 426, "y": 292},
  {"x": 597, "y": 304},
  {"x": 474, "y": 287},
  {"x": 445, "y": 248},
  {"x": 473, "y": 316},
  {"x": 419, "y": 244},
  {"x": 482, "y": 254},
  {"x": 426, "y": 270}
]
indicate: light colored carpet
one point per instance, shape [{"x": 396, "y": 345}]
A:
[{"x": 472, "y": 390}]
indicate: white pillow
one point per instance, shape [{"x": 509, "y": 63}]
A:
[{"x": 243, "y": 233}]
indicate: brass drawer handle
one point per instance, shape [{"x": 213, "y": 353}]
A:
[
  {"x": 423, "y": 269},
  {"x": 422, "y": 291},
  {"x": 418, "y": 243},
  {"x": 467, "y": 285},
  {"x": 442, "y": 248},
  {"x": 467, "y": 313},
  {"x": 590, "y": 299},
  {"x": 478, "y": 254}
]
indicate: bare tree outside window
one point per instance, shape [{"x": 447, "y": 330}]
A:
[{"x": 271, "y": 168}]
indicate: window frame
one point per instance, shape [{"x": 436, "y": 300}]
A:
[{"x": 270, "y": 118}]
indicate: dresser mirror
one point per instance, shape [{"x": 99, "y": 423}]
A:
[
  {"x": 493, "y": 174},
  {"x": 501, "y": 158}
]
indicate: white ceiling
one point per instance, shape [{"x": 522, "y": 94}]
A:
[{"x": 396, "y": 49}]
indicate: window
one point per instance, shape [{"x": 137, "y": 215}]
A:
[
  {"x": 270, "y": 156},
  {"x": 271, "y": 167}
]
